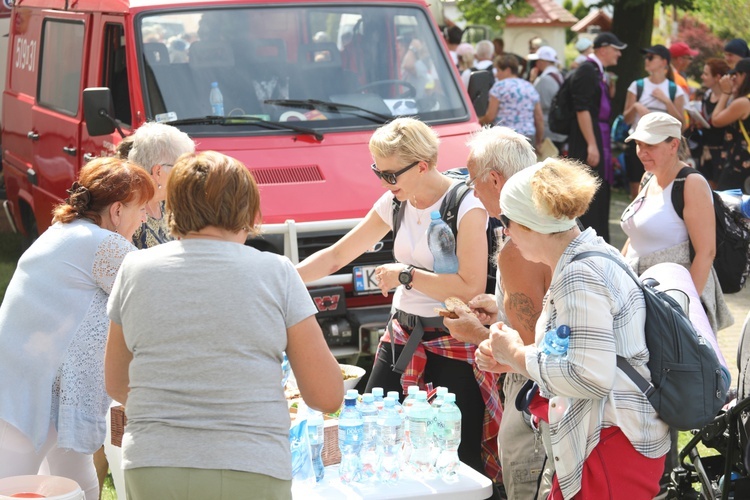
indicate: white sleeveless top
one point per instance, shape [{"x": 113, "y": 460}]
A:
[{"x": 655, "y": 224}]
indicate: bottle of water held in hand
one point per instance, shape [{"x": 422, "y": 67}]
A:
[
  {"x": 316, "y": 434},
  {"x": 369, "y": 454},
  {"x": 448, "y": 434},
  {"x": 216, "y": 100},
  {"x": 351, "y": 433},
  {"x": 442, "y": 245},
  {"x": 391, "y": 434},
  {"x": 419, "y": 416},
  {"x": 555, "y": 342}
]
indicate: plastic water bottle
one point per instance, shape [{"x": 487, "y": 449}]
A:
[
  {"x": 411, "y": 396},
  {"x": 351, "y": 434},
  {"x": 419, "y": 416},
  {"x": 555, "y": 342},
  {"x": 397, "y": 405},
  {"x": 734, "y": 198},
  {"x": 216, "y": 100},
  {"x": 440, "y": 393},
  {"x": 448, "y": 433},
  {"x": 316, "y": 434},
  {"x": 442, "y": 245},
  {"x": 377, "y": 393},
  {"x": 391, "y": 433},
  {"x": 286, "y": 369},
  {"x": 352, "y": 393},
  {"x": 369, "y": 454}
]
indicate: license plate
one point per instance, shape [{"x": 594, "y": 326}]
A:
[{"x": 364, "y": 280}]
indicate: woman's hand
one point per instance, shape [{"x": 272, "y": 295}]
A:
[
  {"x": 466, "y": 328},
  {"x": 725, "y": 84},
  {"x": 508, "y": 348},
  {"x": 659, "y": 95},
  {"x": 484, "y": 306},
  {"x": 387, "y": 276},
  {"x": 486, "y": 362}
]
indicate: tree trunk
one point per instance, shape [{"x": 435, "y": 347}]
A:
[{"x": 633, "y": 24}]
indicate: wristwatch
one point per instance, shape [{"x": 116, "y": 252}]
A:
[{"x": 406, "y": 276}]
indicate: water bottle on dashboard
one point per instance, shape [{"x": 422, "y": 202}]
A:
[
  {"x": 216, "y": 100},
  {"x": 442, "y": 245}
]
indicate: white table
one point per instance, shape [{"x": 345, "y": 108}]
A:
[{"x": 470, "y": 485}]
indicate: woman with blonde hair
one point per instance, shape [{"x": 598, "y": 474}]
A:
[
  {"x": 199, "y": 369},
  {"x": 53, "y": 326},
  {"x": 601, "y": 426},
  {"x": 405, "y": 153}
]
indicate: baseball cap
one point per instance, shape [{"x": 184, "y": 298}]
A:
[
  {"x": 656, "y": 127},
  {"x": 544, "y": 53},
  {"x": 737, "y": 46},
  {"x": 607, "y": 39},
  {"x": 583, "y": 44},
  {"x": 680, "y": 49},
  {"x": 659, "y": 50},
  {"x": 743, "y": 66}
]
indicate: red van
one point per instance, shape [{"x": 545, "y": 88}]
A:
[{"x": 304, "y": 83}]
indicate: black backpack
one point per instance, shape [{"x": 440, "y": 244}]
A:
[
  {"x": 449, "y": 213},
  {"x": 732, "y": 260},
  {"x": 561, "y": 113},
  {"x": 687, "y": 389}
]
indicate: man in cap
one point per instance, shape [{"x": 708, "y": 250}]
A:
[
  {"x": 682, "y": 56},
  {"x": 584, "y": 46},
  {"x": 547, "y": 84},
  {"x": 735, "y": 50},
  {"x": 590, "y": 131}
]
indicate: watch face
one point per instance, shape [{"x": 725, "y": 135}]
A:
[{"x": 404, "y": 277}]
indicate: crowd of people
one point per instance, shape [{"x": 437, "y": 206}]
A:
[{"x": 119, "y": 313}]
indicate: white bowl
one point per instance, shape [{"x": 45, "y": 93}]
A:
[{"x": 355, "y": 372}]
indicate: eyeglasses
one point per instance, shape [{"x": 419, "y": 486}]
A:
[
  {"x": 505, "y": 221},
  {"x": 391, "y": 177},
  {"x": 632, "y": 208},
  {"x": 167, "y": 165},
  {"x": 471, "y": 182}
]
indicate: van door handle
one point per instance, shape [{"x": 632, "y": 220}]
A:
[
  {"x": 88, "y": 157},
  {"x": 70, "y": 151},
  {"x": 32, "y": 135}
]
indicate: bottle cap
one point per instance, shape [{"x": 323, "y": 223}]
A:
[
  {"x": 353, "y": 393},
  {"x": 434, "y": 215},
  {"x": 393, "y": 394},
  {"x": 450, "y": 398},
  {"x": 389, "y": 401},
  {"x": 563, "y": 331},
  {"x": 422, "y": 396},
  {"x": 441, "y": 391},
  {"x": 413, "y": 390},
  {"x": 214, "y": 84},
  {"x": 377, "y": 391},
  {"x": 368, "y": 398}
]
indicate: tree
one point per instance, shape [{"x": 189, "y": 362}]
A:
[
  {"x": 699, "y": 37},
  {"x": 727, "y": 18}
]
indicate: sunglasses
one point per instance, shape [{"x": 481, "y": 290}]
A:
[
  {"x": 505, "y": 221},
  {"x": 391, "y": 177},
  {"x": 632, "y": 208}
]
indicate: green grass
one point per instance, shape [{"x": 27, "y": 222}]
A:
[
  {"x": 108, "y": 489},
  {"x": 10, "y": 251}
]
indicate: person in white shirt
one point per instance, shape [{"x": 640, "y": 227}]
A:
[{"x": 657, "y": 92}]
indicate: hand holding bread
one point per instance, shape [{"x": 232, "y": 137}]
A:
[{"x": 452, "y": 304}]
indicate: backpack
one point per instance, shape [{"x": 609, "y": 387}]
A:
[
  {"x": 687, "y": 388},
  {"x": 732, "y": 260},
  {"x": 449, "y": 213},
  {"x": 561, "y": 111}
]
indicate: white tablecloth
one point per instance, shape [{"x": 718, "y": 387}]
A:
[{"x": 470, "y": 485}]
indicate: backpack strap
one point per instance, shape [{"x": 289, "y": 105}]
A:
[
  {"x": 644, "y": 180},
  {"x": 398, "y": 209},
  {"x": 451, "y": 203},
  {"x": 678, "y": 189},
  {"x": 672, "y": 90},
  {"x": 643, "y": 385},
  {"x": 638, "y": 89}
]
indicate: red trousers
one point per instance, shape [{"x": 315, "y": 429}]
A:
[{"x": 614, "y": 470}]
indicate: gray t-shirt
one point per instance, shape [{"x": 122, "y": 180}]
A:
[{"x": 206, "y": 322}]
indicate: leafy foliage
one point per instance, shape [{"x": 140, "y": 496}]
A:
[
  {"x": 727, "y": 18},
  {"x": 698, "y": 36},
  {"x": 492, "y": 12}
]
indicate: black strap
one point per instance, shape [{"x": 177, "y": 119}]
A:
[
  {"x": 678, "y": 189},
  {"x": 415, "y": 337},
  {"x": 643, "y": 385}
]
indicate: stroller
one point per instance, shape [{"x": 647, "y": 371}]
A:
[{"x": 725, "y": 475}]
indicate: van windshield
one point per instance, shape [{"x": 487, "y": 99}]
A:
[{"x": 330, "y": 66}]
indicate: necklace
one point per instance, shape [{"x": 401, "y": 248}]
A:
[{"x": 419, "y": 214}]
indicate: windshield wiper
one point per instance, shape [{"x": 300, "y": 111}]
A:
[
  {"x": 245, "y": 120},
  {"x": 335, "y": 106}
]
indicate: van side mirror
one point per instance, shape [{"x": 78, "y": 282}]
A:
[
  {"x": 98, "y": 111},
  {"x": 480, "y": 83}
]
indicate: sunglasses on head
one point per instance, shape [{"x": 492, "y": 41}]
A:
[{"x": 391, "y": 177}]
